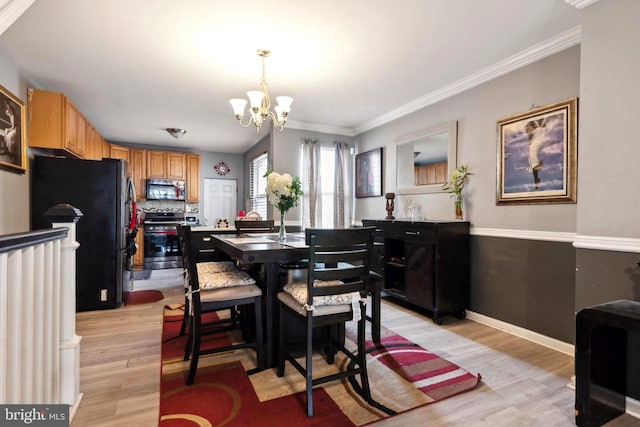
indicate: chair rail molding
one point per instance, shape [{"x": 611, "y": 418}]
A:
[
  {"x": 10, "y": 11},
  {"x": 579, "y": 241}
]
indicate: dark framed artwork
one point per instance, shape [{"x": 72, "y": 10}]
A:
[
  {"x": 537, "y": 155},
  {"x": 13, "y": 150},
  {"x": 369, "y": 173}
]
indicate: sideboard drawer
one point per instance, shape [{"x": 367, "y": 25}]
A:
[{"x": 412, "y": 232}]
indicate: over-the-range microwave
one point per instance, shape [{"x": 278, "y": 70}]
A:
[{"x": 165, "y": 189}]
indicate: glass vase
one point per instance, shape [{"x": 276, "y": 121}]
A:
[
  {"x": 282, "y": 233},
  {"x": 458, "y": 202}
]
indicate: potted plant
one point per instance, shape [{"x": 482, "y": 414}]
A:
[{"x": 455, "y": 186}]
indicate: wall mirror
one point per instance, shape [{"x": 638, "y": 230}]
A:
[{"x": 425, "y": 159}]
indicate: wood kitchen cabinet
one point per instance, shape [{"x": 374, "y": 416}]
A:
[
  {"x": 166, "y": 164},
  {"x": 138, "y": 171},
  {"x": 138, "y": 257},
  {"x": 193, "y": 177},
  {"x": 176, "y": 166},
  {"x": 426, "y": 264},
  {"x": 55, "y": 123},
  {"x": 120, "y": 152}
]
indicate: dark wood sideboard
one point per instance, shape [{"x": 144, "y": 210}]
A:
[{"x": 425, "y": 263}]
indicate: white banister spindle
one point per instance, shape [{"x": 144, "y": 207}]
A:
[
  {"x": 39, "y": 338},
  {"x": 14, "y": 331}
]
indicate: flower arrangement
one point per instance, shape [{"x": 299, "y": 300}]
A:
[
  {"x": 455, "y": 186},
  {"x": 457, "y": 181},
  {"x": 283, "y": 190}
]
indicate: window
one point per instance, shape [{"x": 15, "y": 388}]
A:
[
  {"x": 258, "y": 185},
  {"x": 333, "y": 205}
]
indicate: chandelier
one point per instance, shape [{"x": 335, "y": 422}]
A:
[{"x": 260, "y": 104}]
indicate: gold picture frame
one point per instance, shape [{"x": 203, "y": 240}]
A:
[
  {"x": 13, "y": 141},
  {"x": 537, "y": 155}
]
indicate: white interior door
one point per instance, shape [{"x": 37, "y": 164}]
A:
[{"x": 220, "y": 200}]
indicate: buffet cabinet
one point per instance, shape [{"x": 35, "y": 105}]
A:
[{"x": 425, "y": 263}]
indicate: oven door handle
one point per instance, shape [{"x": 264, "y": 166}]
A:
[{"x": 174, "y": 233}]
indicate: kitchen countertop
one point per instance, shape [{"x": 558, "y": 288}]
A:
[{"x": 213, "y": 229}]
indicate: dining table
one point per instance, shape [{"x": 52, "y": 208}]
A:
[{"x": 265, "y": 249}]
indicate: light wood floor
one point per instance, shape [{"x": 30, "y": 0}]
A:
[{"x": 523, "y": 384}]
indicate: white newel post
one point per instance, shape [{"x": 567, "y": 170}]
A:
[{"x": 65, "y": 215}]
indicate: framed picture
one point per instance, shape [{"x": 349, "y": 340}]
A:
[
  {"x": 537, "y": 155},
  {"x": 369, "y": 173},
  {"x": 13, "y": 150}
]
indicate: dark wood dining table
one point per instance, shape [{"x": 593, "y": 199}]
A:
[{"x": 264, "y": 248}]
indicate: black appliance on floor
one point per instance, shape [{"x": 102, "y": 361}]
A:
[{"x": 99, "y": 190}]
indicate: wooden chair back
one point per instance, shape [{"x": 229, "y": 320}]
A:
[
  {"x": 247, "y": 226},
  {"x": 339, "y": 255}
]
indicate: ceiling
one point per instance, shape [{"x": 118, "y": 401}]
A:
[{"x": 136, "y": 67}]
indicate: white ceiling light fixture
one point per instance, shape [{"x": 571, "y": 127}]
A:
[
  {"x": 260, "y": 104},
  {"x": 176, "y": 133}
]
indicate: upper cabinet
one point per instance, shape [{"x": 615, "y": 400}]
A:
[
  {"x": 138, "y": 171},
  {"x": 166, "y": 164},
  {"x": 176, "y": 166},
  {"x": 120, "y": 152},
  {"x": 193, "y": 178},
  {"x": 56, "y": 124}
]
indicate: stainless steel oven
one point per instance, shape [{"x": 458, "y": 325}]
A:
[{"x": 161, "y": 247}]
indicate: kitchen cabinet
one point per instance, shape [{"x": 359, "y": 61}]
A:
[
  {"x": 55, "y": 123},
  {"x": 156, "y": 164},
  {"x": 426, "y": 264},
  {"x": 138, "y": 171},
  {"x": 138, "y": 257},
  {"x": 120, "y": 152},
  {"x": 193, "y": 177},
  {"x": 176, "y": 166}
]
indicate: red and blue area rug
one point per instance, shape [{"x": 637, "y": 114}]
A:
[{"x": 402, "y": 375}]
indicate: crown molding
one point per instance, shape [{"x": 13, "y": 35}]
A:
[
  {"x": 315, "y": 127},
  {"x": 528, "y": 56},
  {"x": 11, "y": 11},
  {"x": 580, "y": 4}
]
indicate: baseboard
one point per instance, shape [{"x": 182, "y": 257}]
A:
[
  {"x": 518, "y": 331},
  {"x": 633, "y": 407}
]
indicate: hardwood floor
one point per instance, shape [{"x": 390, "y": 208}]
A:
[{"x": 523, "y": 384}]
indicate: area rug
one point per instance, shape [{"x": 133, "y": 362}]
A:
[
  {"x": 142, "y": 297},
  {"x": 402, "y": 376},
  {"x": 141, "y": 274}
]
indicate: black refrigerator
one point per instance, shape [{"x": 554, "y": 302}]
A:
[{"x": 99, "y": 190}]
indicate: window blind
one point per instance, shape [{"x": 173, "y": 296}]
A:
[{"x": 258, "y": 185}]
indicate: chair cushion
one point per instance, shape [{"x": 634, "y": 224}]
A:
[
  {"x": 299, "y": 292},
  {"x": 323, "y": 310},
  {"x": 229, "y": 294},
  {"x": 215, "y": 267},
  {"x": 225, "y": 279}
]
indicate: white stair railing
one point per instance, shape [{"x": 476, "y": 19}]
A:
[{"x": 39, "y": 349}]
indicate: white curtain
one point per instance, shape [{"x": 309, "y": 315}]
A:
[
  {"x": 343, "y": 187},
  {"x": 311, "y": 201}
]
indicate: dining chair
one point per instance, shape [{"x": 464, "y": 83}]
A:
[
  {"x": 255, "y": 226},
  {"x": 335, "y": 292},
  {"x": 214, "y": 291}
]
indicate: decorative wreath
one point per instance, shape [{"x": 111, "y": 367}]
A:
[{"x": 222, "y": 168}]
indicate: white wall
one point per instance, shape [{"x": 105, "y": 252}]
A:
[
  {"x": 477, "y": 110},
  {"x": 14, "y": 187}
]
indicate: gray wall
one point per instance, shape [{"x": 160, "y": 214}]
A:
[
  {"x": 608, "y": 187},
  {"x": 528, "y": 283},
  {"x": 14, "y": 187}
]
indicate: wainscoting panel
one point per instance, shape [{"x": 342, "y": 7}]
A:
[{"x": 527, "y": 283}]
